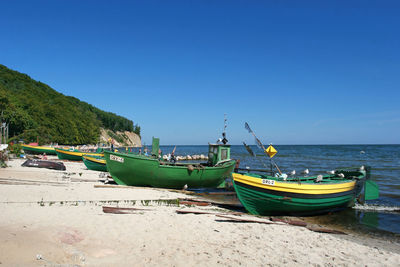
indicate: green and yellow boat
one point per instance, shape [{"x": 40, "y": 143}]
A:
[
  {"x": 140, "y": 170},
  {"x": 30, "y": 149},
  {"x": 269, "y": 195},
  {"x": 75, "y": 155},
  {"x": 95, "y": 163}
]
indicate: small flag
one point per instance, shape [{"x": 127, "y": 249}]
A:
[{"x": 271, "y": 151}]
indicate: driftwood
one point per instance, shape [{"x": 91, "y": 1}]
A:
[
  {"x": 194, "y": 203},
  {"x": 143, "y": 187},
  {"x": 208, "y": 203},
  {"x": 222, "y": 215},
  {"x": 118, "y": 210},
  {"x": 243, "y": 220},
  {"x": 186, "y": 192},
  {"x": 212, "y": 213},
  {"x": 324, "y": 230},
  {"x": 291, "y": 222},
  {"x": 193, "y": 212},
  {"x": 271, "y": 221}
]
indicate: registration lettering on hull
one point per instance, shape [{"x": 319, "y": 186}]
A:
[
  {"x": 268, "y": 182},
  {"x": 116, "y": 158}
]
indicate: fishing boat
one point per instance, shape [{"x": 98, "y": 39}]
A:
[
  {"x": 75, "y": 154},
  {"x": 140, "y": 170},
  {"x": 95, "y": 163},
  {"x": 44, "y": 164},
  {"x": 282, "y": 194},
  {"x": 31, "y": 149},
  {"x": 275, "y": 195}
]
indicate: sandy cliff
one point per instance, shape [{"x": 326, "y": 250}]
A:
[{"x": 125, "y": 138}]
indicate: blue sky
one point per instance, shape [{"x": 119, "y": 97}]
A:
[{"x": 309, "y": 73}]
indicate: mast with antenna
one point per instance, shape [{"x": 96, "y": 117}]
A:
[{"x": 224, "y": 140}]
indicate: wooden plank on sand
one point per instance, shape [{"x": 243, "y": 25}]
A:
[
  {"x": 244, "y": 220},
  {"x": 143, "y": 187},
  {"x": 118, "y": 210},
  {"x": 193, "y": 212},
  {"x": 324, "y": 230},
  {"x": 291, "y": 222}
]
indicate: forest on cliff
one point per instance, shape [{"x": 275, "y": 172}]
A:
[{"x": 36, "y": 111}]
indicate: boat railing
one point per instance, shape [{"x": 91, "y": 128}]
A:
[
  {"x": 253, "y": 170},
  {"x": 222, "y": 162},
  {"x": 169, "y": 163}
]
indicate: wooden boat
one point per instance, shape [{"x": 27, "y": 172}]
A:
[
  {"x": 140, "y": 170},
  {"x": 74, "y": 154},
  {"x": 269, "y": 195},
  {"x": 95, "y": 163},
  {"x": 44, "y": 164},
  {"x": 30, "y": 149}
]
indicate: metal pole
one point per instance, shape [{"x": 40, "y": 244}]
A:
[
  {"x": 270, "y": 162},
  {"x": 2, "y": 132}
]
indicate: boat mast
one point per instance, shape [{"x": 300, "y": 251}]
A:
[{"x": 224, "y": 140}]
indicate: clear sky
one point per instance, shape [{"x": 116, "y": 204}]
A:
[{"x": 309, "y": 73}]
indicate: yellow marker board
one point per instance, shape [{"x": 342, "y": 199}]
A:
[{"x": 271, "y": 151}]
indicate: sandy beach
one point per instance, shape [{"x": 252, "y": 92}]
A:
[{"x": 56, "y": 218}]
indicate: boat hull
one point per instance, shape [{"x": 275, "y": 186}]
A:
[
  {"x": 44, "y": 164},
  {"x": 95, "y": 164},
  {"x": 73, "y": 155},
  {"x": 293, "y": 198},
  {"x": 138, "y": 170},
  {"x": 38, "y": 149}
]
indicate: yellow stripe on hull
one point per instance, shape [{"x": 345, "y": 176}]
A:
[
  {"x": 78, "y": 154},
  {"x": 295, "y": 187},
  {"x": 38, "y": 147},
  {"x": 101, "y": 161}
]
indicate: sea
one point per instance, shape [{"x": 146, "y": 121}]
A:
[{"x": 380, "y": 217}]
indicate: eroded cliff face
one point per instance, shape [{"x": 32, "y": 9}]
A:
[{"x": 120, "y": 138}]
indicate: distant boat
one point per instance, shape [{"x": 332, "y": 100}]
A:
[
  {"x": 269, "y": 195},
  {"x": 31, "y": 149},
  {"x": 95, "y": 163},
  {"x": 140, "y": 170},
  {"x": 74, "y": 154}
]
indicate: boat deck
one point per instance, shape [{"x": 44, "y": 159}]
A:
[{"x": 326, "y": 179}]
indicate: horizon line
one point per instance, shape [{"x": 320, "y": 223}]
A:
[{"x": 373, "y": 144}]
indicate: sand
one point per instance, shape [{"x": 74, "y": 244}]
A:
[{"x": 55, "y": 218}]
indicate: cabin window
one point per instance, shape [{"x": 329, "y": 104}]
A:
[{"x": 224, "y": 154}]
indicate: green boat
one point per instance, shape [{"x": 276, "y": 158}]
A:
[
  {"x": 95, "y": 163},
  {"x": 74, "y": 154},
  {"x": 270, "y": 195},
  {"x": 38, "y": 149},
  {"x": 140, "y": 170}
]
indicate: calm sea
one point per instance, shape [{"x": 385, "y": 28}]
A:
[{"x": 375, "y": 217}]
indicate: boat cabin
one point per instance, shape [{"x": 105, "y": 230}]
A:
[
  {"x": 218, "y": 153},
  {"x": 155, "y": 147}
]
